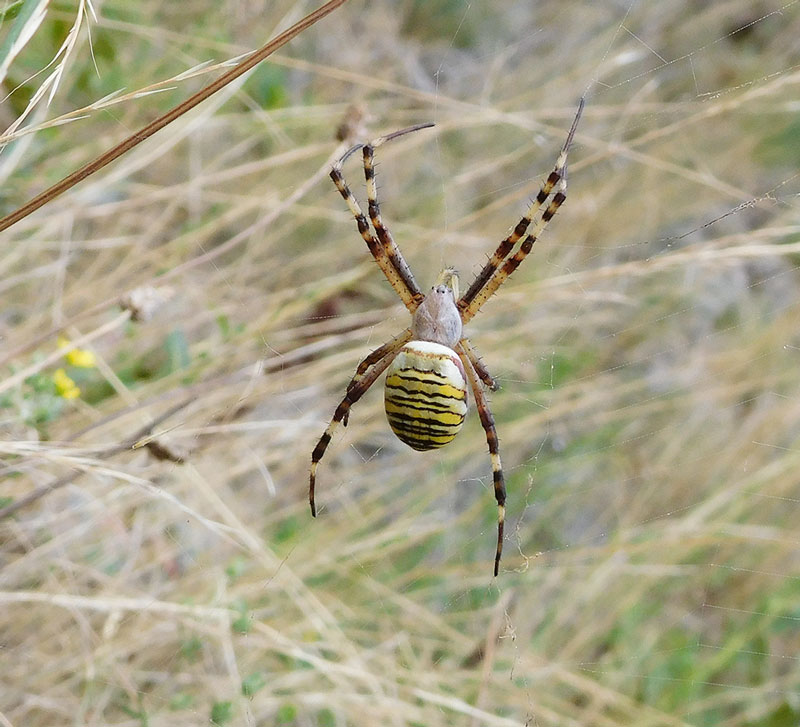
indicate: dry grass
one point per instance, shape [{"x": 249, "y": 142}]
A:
[{"x": 647, "y": 352}]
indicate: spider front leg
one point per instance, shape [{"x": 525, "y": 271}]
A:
[
  {"x": 383, "y": 249},
  {"x": 492, "y": 276},
  {"x": 487, "y": 420},
  {"x": 392, "y": 250},
  {"x": 375, "y": 247},
  {"x": 357, "y": 387}
]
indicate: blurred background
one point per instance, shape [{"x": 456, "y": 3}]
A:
[{"x": 176, "y": 331}]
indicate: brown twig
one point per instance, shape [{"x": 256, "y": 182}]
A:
[{"x": 162, "y": 121}]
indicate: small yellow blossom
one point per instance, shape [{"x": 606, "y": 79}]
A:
[
  {"x": 82, "y": 358},
  {"x": 65, "y": 386},
  {"x": 79, "y": 357}
]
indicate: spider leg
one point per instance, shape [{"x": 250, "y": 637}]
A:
[
  {"x": 354, "y": 392},
  {"x": 396, "y": 343},
  {"x": 375, "y": 247},
  {"x": 480, "y": 367},
  {"x": 385, "y": 237},
  {"x": 389, "y": 259},
  {"x": 492, "y": 275},
  {"x": 487, "y": 420}
]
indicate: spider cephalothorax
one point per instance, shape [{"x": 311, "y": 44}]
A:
[{"x": 430, "y": 364}]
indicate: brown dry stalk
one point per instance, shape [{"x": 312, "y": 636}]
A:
[{"x": 162, "y": 121}]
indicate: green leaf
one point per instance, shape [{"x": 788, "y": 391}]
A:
[
  {"x": 253, "y": 683},
  {"x": 28, "y": 16},
  {"x": 221, "y": 713}
]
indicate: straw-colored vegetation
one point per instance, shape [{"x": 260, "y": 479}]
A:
[{"x": 648, "y": 352}]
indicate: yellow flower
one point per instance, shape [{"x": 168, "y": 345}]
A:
[
  {"x": 82, "y": 358},
  {"x": 79, "y": 357},
  {"x": 65, "y": 386}
]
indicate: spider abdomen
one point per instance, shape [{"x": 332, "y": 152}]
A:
[{"x": 426, "y": 395}]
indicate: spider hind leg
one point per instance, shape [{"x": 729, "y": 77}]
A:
[
  {"x": 487, "y": 421},
  {"x": 366, "y": 375}
]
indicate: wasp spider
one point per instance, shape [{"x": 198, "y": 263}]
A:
[{"x": 430, "y": 364}]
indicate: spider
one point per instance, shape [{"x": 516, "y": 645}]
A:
[{"x": 429, "y": 365}]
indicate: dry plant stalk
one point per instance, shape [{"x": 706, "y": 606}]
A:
[{"x": 156, "y": 125}]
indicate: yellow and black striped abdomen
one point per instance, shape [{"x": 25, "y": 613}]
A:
[{"x": 426, "y": 395}]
